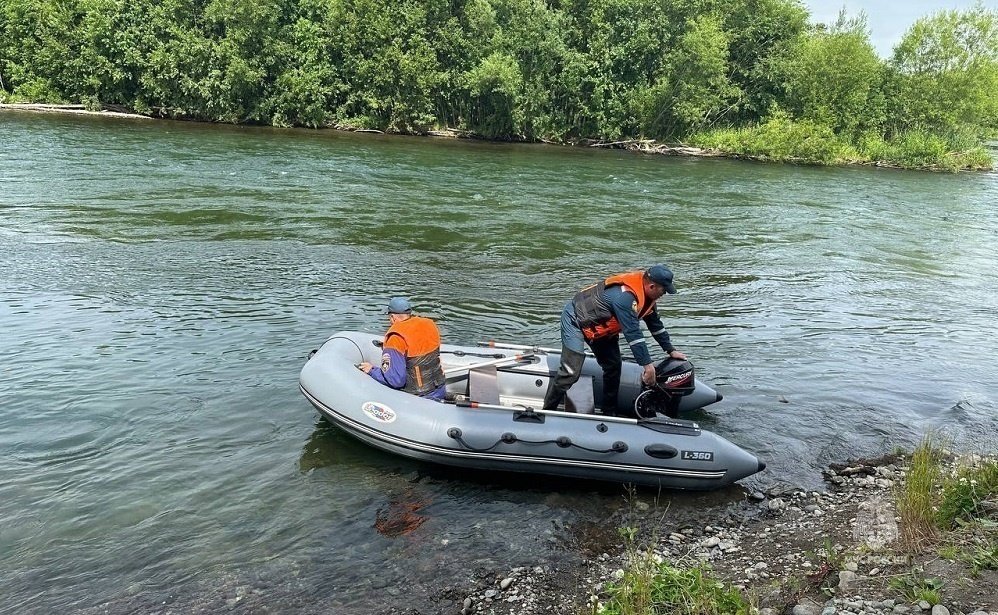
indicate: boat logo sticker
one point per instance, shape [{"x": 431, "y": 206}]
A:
[
  {"x": 677, "y": 379},
  {"x": 378, "y": 412},
  {"x": 698, "y": 456}
]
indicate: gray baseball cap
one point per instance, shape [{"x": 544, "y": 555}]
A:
[{"x": 399, "y": 305}]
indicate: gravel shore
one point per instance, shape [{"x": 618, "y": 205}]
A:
[{"x": 797, "y": 552}]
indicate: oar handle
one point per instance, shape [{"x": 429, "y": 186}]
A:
[
  {"x": 465, "y": 368},
  {"x": 467, "y": 403},
  {"x": 506, "y": 346}
]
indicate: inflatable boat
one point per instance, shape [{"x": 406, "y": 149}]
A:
[{"x": 492, "y": 418}]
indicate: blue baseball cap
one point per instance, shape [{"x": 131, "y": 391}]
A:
[
  {"x": 399, "y": 305},
  {"x": 662, "y": 275}
]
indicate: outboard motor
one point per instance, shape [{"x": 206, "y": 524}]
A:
[{"x": 673, "y": 380}]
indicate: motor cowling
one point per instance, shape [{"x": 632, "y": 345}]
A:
[{"x": 674, "y": 379}]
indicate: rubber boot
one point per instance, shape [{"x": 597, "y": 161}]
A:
[
  {"x": 611, "y": 387},
  {"x": 568, "y": 374},
  {"x": 607, "y": 353}
]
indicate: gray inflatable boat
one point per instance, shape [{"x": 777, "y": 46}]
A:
[{"x": 492, "y": 419}]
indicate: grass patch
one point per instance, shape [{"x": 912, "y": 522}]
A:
[
  {"x": 916, "y": 149},
  {"x": 950, "y": 552},
  {"x": 968, "y": 512},
  {"x": 975, "y": 544},
  {"x": 983, "y": 555},
  {"x": 914, "y": 587},
  {"x": 783, "y": 139},
  {"x": 916, "y": 497},
  {"x": 650, "y": 587},
  {"x": 958, "y": 508}
]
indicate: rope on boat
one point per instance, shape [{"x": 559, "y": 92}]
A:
[
  {"x": 456, "y": 434},
  {"x": 509, "y": 438},
  {"x": 338, "y": 337}
]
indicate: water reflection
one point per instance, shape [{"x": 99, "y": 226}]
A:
[{"x": 329, "y": 446}]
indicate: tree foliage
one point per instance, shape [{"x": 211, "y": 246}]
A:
[
  {"x": 834, "y": 77},
  {"x": 693, "y": 88},
  {"x": 944, "y": 73},
  {"x": 507, "y": 69}
]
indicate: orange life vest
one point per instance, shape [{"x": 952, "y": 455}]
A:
[
  {"x": 593, "y": 311},
  {"x": 419, "y": 340}
]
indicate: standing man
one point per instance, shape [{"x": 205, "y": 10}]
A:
[
  {"x": 597, "y": 315},
  {"x": 411, "y": 354}
]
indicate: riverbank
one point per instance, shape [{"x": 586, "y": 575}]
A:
[
  {"x": 800, "y": 552},
  {"x": 71, "y": 110},
  {"x": 760, "y": 144}
]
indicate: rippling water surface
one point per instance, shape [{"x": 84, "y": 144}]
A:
[{"x": 163, "y": 283}]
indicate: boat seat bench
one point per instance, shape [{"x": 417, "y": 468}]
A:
[{"x": 483, "y": 385}]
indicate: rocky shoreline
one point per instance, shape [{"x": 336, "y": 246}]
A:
[{"x": 797, "y": 552}]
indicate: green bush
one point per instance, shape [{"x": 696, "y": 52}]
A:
[
  {"x": 781, "y": 139},
  {"x": 495, "y": 87},
  {"x": 37, "y": 89},
  {"x": 964, "y": 493},
  {"x": 918, "y": 149},
  {"x": 693, "y": 89}
]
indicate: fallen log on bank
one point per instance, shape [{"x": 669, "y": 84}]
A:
[
  {"x": 73, "y": 109},
  {"x": 653, "y": 147}
]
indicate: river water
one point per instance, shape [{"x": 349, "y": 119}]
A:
[{"x": 162, "y": 284}]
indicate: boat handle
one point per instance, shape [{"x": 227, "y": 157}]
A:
[{"x": 661, "y": 451}]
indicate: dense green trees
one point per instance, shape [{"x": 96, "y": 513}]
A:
[
  {"x": 944, "y": 73},
  {"x": 692, "y": 88},
  {"x": 701, "y": 71},
  {"x": 834, "y": 78}
]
